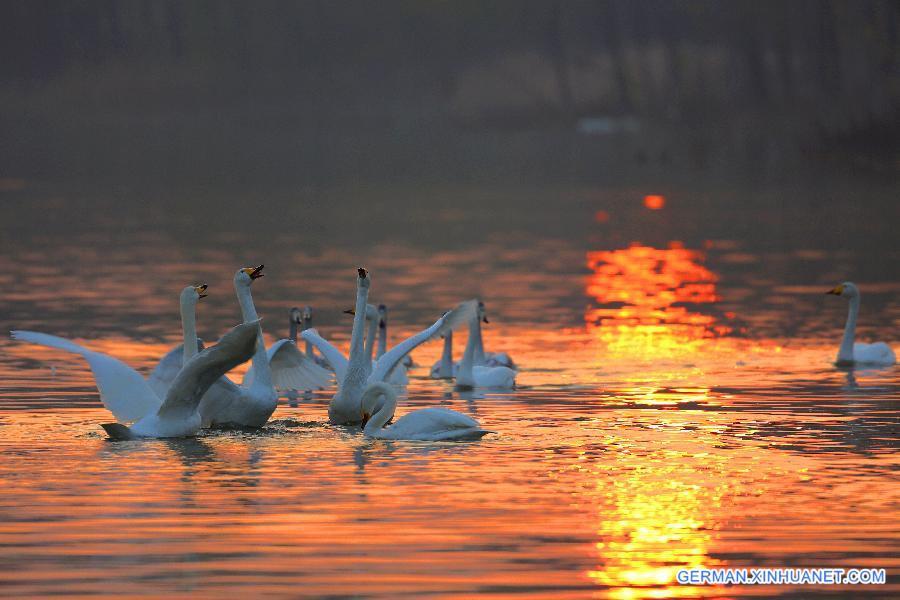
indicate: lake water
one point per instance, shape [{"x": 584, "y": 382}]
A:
[{"x": 676, "y": 407}]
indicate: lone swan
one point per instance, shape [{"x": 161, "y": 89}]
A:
[{"x": 858, "y": 353}]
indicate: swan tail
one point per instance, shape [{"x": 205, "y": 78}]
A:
[
  {"x": 117, "y": 431},
  {"x": 52, "y": 341}
]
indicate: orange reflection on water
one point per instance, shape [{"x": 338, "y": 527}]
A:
[{"x": 641, "y": 291}]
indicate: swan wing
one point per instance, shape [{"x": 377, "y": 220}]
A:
[
  {"x": 169, "y": 365},
  {"x": 123, "y": 391},
  {"x": 294, "y": 370},
  {"x": 195, "y": 378},
  {"x": 334, "y": 357},
  {"x": 463, "y": 313}
]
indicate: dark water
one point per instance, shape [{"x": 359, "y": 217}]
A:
[{"x": 677, "y": 406}]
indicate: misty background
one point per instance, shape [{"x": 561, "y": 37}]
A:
[{"x": 314, "y": 93}]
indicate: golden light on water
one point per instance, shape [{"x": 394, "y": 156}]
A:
[{"x": 648, "y": 299}]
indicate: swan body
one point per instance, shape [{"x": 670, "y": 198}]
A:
[
  {"x": 851, "y": 352},
  {"x": 307, "y": 323},
  {"x": 490, "y": 359},
  {"x": 178, "y": 415},
  {"x": 471, "y": 375},
  {"x": 124, "y": 391},
  {"x": 426, "y": 424},
  {"x": 357, "y": 371}
]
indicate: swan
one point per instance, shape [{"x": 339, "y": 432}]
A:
[
  {"x": 307, "y": 316},
  {"x": 178, "y": 415},
  {"x": 851, "y": 353},
  {"x": 124, "y": 391},
  {"x": 353, "y": 374},
  {"x": 398, "y": 375},
  {"x": 471, "y": 375},
  {"x": 253, "y": 402},
  {"x": 445, "y": 368},
  {"x": 291, "y": 368},
  {"x": 426, "y": 424},
  {"x": 490, "y": 359}
]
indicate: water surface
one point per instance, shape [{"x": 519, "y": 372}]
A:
[{"x": 677, "y": 406}]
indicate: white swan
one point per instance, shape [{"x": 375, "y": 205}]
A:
[
  {"x": 291, "y": 368},
  {"x": 445, "y": 368},
  {"x": 307, "y": 323},
  {"x": 471, "y": 375},
  {"x": 399, "y": 375},
  {"x": 253, "y": 402},
  {"x": 178, "y": 415},
  {"x": 426, "y": 424},
  {"x": 490, "y": 359},
  {"x": 123, "y": 391},
  {"x": 357, "y": 372},
  {"x": 851, "y": 353}
]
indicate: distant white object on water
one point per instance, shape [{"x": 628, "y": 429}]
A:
[{"x": 853, "y": 353}]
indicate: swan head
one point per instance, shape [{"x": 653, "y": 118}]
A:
[
  {"x": 363, "y": 278},
  {"x": 371, "y": 312},
  {"x": 192, "y": 293},
  {"x": 482, "y": 313},
  {"x": 307, "y": 313},
  {"x": 296, "y": 316},
  {"x": 246, "y": 275},
  {"x": 382, "y": 316},
  {"x": 846, "y": 289}
]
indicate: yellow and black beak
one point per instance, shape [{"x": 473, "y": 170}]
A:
[
  {"x": 200, "y": 289},
  {"x": 365, "y": 419},
  {"x": 350, "y": 311},
  {"x": 253, "y": 272},
  {"x": 836, "y": 291},
  {"x": 485, "y": 319}
]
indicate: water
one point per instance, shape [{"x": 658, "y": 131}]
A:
[{"x": 677, "y": 405}]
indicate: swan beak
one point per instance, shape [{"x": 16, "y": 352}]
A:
[
  {"x": 200, "y": 289},
  {"x": 254, "y": 272},
  {"x": 365, "y": 419},
  {"x": 362, "y": 273},
  {"x": 350, "y": 311},
  {"x": 836, "y": 291},
  {"x": 485, "y": 319}
]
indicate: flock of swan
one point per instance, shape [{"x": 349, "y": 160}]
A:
[{"x": 189, "y": 390}]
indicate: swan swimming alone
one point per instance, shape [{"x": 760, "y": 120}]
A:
[
  {"x": 123, "y": 391},
  {"x": 178, "y": 415},
  {"x": 355, "y": 373},
  {"x": 857, "y": 353},
  {"x": 424, "y": 424},
  {"x": 471, "y": 375}
]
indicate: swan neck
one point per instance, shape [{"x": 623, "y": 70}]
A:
[
  {"x": 475, "y": 330},
  {"x": 382, "y": 339},
  {"x": 377, "y": 421},
  {"x": 293, "y": 332},
  {"x": 465, "y": 377},
  {"x": 370, "y": 339},
  {"x": 189, "y": 332},
  {"x": 357, "y": 352},
  {"x": 447, "y": 355},
  {"x": 307, "y": 323},
  {"x": 846, "y": 351},
  {"x": 260, "y": 361}
]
